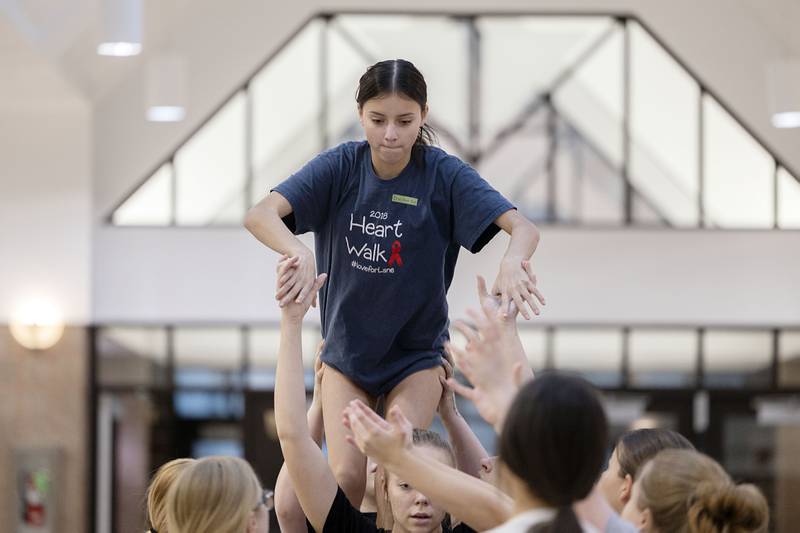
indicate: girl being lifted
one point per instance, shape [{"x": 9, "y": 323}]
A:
[{"x": 389, "y": 216}]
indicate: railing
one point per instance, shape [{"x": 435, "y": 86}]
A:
[{"x": 614, "y": 357}]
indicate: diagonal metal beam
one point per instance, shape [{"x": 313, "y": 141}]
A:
[
  {"x": 540, "y": 99},
  {"x": 610, "y": 164}
]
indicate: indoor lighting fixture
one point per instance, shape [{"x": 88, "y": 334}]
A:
[
  {"x": 781, "y": 411},
  {"x": 788, "y": 119},
  {"x": 165, "y": 88},
  {"x": 783, "y": 86},
  {"x": 121, "y": 28},
  {"x": 37, "y": 326}
]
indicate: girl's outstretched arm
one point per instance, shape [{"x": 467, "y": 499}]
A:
[
  {"x": 467, "y": 448},
  {"x": 490, "y": 363},
  {"x": 291, "y": 517},
  {"x": 507, "y": 321},
  {"x": 311, "y": 477},
  {"x": 476, "y": 503}
]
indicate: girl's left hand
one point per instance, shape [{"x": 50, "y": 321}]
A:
[
  {"x": 447, "y": 402},
  {"x": 516, "y": 283}
]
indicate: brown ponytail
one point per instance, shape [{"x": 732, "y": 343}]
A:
[
  {"x": 687, "y": 491},
  {"x": 731, "y": 508}
]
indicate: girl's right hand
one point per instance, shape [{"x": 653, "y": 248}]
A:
[
  {"x": 494, "y": 304},
  {"x": 296, "y": 309},
  {"x": 382, "y": 440},
  {"x": 488, "y": 362},
  {"x": 296, "y": 277}
]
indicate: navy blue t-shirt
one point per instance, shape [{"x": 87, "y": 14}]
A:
[{"x": 389, "y": 248}]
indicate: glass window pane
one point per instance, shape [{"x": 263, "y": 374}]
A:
[
  {"x": 534, "y": 341},
  {"x": 738, "y": 173},
  {"x": 520, "y": 59},
  {"x": 132, "y": 356},
  {"x": 788, "y": 200},
  {"x": 264, "y": 344},
  {"x": 591, "y": 100},
  {"x": 151, "y": 204},
  {"x": 645, "y": 213},
  {"x": 125, "y": 443},
  {"x": 219, "y": 439},
  {"x": 206, "y": 404},
  {"x": 625, "y": 410},
  {"x": 789, "y": 359},
  {"x": 210, "y": 356},
  {"x": 589, "y": 188},
  {"x": 286, "y": 107},
  {"x": 664, "y": 130},
  {"x": 210, "y": 170},
  {"x": 516, "y": 168},
  {"x": 445, "y": 71},
  {"x": 749, "y": 450},
  {"x": 737, "y": 358},
  {"x": 594, "y": 353},
  {"x": 345, "y": 67},
  {"x": 662, "y": 357}
]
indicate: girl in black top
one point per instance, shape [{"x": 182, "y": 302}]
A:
[
  {"x": 323, "y": 501},
  {"x": 411, "y": 510}
]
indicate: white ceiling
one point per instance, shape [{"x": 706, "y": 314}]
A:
[
  {"x": 781, "y": 18},
  {"x": 64, "y": 35}
]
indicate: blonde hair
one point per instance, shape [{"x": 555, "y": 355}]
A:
[
  {"x": 215, "y": 494},
  {"x": 688, "y": 492},
  {"x": 157, "y": 492}
]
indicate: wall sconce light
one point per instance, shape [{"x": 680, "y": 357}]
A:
[{"x": 38, "y": 326}]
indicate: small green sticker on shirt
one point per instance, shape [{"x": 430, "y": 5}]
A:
[{"x": 400, "y": 199}]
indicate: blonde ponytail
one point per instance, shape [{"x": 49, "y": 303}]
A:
[
  {"x": 163, "y": 479},
  {"x": 214, "y": 495}
]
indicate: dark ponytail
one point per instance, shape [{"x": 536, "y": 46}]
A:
[
  {"x": 554, "y": 440},
  {"x": 565, "y": 521},
  {"x": 398, "y": 76}
]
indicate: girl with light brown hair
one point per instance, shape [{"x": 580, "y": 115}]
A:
[
  {"x": 684, "y": 491},
  {"x": 633, "y": 450}
]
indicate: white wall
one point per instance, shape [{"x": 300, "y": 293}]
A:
[
  {"x": 45, "y": 185},
  {"x": 45, "y": 210},
  {"x": 591, "y": 276}
]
